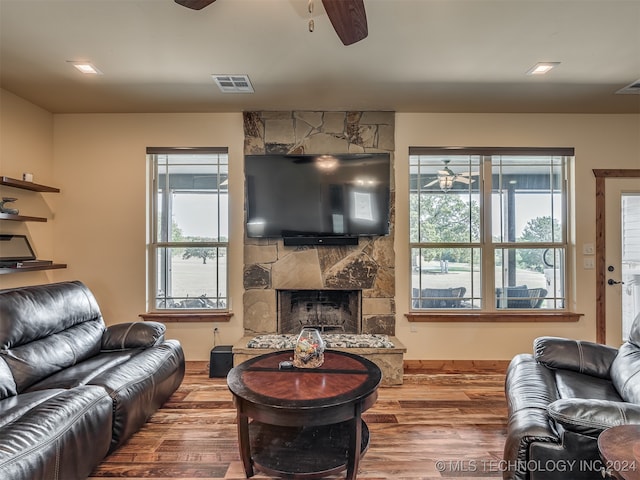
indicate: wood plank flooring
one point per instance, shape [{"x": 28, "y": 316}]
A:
[{"x": 434, "y": 426}]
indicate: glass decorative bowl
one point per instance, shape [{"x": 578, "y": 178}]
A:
[{"x": 309, "y": 349}]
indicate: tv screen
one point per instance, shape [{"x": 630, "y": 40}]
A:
[{"x": 307, "y": 196}]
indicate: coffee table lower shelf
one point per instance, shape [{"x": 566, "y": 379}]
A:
[{"x": 303, "y": 452}]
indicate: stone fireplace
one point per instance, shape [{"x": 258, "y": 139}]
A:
[
  {"x": 270, "y": 267},
  {"x": 330, "y": 311}
]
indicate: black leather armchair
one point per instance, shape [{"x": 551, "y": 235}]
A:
[{"x": 561, "y": 398}]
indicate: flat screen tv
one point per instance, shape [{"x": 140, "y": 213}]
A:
[{"x": 317, "y": 199}]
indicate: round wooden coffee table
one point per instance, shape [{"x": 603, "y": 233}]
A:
[
  {"x": 306, "y": 423},
  {"x": 620, "y": 450}
]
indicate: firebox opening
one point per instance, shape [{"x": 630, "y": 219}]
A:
[{"x": 336, "y": 311}]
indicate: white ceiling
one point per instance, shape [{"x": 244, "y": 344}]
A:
[{"x": 420, "y": 56}]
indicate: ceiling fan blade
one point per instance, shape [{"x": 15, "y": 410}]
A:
[
  {"x": 195, "y": 4},
  {"x": 431, "y": 183},
  {"x": 469, "y": 174},
  {"x": 460, "y": 179},
  {"x": 349, "y": 19}
]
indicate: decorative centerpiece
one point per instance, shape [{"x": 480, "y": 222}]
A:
[
  {"x": 309, "y": 350},
  {"x": 3, "y": 209}
]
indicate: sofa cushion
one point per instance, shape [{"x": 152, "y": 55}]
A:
[
  {"x": 46, "y": 328},
  {"x": 572, "y": 384},
  {"x": 36, "y": 312},
  {"x": 625, "y": 372},
  {"x": 124, "y": 336},
  {"x": 14, "y": 407},
  {"x": 84, "y": 372},
  {"x": 37, "y": 360},
  {"x": 64, "y": 437},
  {"x": 577, "y": 355},
  {"x": 592, "y": 417},
  {"x": 140, "y": 386}
]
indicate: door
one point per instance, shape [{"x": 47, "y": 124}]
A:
[{"x": 622, "y": 258}]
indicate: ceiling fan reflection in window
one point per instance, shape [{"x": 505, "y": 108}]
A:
[
  {"x": 348, "y": 17},
  {"x": 446, "y": 177}
]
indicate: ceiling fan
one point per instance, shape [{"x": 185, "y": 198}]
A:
[
  {"x": 446, "y": 177},
  {"x": 348, "y": 17}
]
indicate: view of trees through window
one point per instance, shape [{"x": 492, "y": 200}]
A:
[
  {"x": 199, "y": 251},
  {"x": 190, "y": 228},
  {"x": 487, "y": 230}
]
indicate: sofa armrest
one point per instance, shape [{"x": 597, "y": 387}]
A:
[
  {"x": 529, "y": 388},
  {"x": 591, "y": 417},
  {"x": 125, "y": 336},
  {"x": 585, "y": 357}
]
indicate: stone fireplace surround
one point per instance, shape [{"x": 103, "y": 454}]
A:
[{"x": 369, "y": 266}]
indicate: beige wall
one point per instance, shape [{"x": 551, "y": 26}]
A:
[
  {"x": 101, "y": 225},
  {"x": 99, "y": 229},
  {"x": 26, "y": 145}
]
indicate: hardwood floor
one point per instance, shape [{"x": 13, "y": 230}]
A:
[{"x": 434, "y": 426}]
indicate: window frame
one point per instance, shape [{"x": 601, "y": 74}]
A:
[
  {"x": 218, "y": 313},
  {"x": 489, "y": 311}
]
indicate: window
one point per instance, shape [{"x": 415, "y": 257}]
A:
[
  {"x": 189, "y": 229},
  {"x": 488, "y": 228}
]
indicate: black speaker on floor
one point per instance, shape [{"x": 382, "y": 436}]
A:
[{"x": 221, "y": 361}]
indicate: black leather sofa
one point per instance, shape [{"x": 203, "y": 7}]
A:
[
  {"x": 561, "y": 398},
  {"x": 71, "y": 389}
]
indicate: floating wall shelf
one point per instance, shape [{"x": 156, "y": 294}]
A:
[{"x": 34, "y": 187}]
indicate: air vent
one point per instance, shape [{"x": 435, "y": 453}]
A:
[
  {"x": 233, "y": 83},
  {"x": 633, "y": 88}
]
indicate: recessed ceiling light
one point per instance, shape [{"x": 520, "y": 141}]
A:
[
  {"x": 86, "y": 67},
  {"x": 542, "y": 68}
]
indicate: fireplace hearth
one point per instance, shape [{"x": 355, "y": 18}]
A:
[{"x": 330, "y": 311}]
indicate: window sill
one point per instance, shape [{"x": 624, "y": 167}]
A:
[
  {"x": 184, "y": 317},
  {"x": 516, "y": 317}
]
